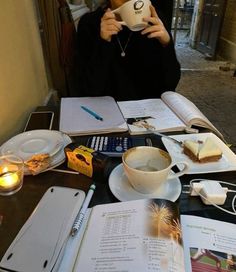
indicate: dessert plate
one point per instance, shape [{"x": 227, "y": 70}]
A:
[
  {"x": 226, "y": 163},
  {"x": 122, "y": 190},
  {"x": 34, "y": 142}
]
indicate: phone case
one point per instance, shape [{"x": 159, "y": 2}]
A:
[{"x": 41, "y": 241}]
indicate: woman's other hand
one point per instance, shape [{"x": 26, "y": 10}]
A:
[
  {"x": 109, "y": 25},
  {"x": 156, "y": 29}
]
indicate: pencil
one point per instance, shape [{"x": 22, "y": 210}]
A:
[
  {"x": 64, "y": 171},
  {"x": 79, "y": 218}
]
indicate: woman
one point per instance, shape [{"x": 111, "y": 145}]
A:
[{"x": 112, "y": 60}]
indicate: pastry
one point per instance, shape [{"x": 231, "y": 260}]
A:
[{"x": 38, "y": 163}]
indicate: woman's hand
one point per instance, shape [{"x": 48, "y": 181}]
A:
[
  {"x": 109, "y": 25},
  {"x": 156, "y": 29}
]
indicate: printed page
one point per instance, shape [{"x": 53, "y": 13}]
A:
[
  {"x": 208, "y": 244},
  {"x": 140, "y": 235},
  {"x": 75, "y": 120},
  {"x": 187, "y": 111},
  {"x": 150, "y": 114}
]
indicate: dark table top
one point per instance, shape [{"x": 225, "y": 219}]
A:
[{"x": 15, "y": 209}]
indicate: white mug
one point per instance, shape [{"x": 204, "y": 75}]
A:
[
  {"x": 133, "y": 12},
  {"x": 148, "y": 168}
]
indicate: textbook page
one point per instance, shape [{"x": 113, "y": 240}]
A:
[
  {"x": 208, "y": 244},
  {"x": 187, "y": 111},
  {"x": 150, "y": 114},
  {"x": 74, "y": 120},
  {"x": 140, "y": 235}
]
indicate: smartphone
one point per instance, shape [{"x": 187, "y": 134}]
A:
[
  {"x": 116, "y": 146},
  {"x": 39, "y": 120}
]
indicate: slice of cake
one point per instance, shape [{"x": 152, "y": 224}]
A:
[
  {"x": 209, "y": 152},
  {"x": 202, "y": 152},
  {"x": 191, "y": 149}
]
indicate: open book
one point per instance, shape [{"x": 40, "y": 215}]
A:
[
  {"x": 90, "y": 115},
  {"x": 149, "y": 235},
  {"x": 171, "y": 112},
  {"x": 139, "y": 235}
]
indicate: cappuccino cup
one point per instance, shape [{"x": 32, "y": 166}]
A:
[
  {"x": 148, "y": 168},
  {"x": 133, "y": 12}
]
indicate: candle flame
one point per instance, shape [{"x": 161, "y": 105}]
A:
[
  {"x": 5, "y": 169},
  {"x": 8, "y": 179}
]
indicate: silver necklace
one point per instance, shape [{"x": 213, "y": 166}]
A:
[{"x": 121, "y": 47}]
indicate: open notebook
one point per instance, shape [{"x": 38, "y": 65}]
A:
[{"x": 171, "y": 112}]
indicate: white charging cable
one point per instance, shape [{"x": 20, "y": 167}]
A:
[{"x": 211, "y": 192}]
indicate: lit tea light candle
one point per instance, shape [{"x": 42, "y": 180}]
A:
[
  {"x": 8, "y": 179},
  {"x": 11, "y": 174}
]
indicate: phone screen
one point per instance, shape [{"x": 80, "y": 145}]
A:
[{"x": 40, "y": 120}]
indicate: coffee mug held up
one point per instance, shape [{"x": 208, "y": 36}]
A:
[
  {"x": 133, "y": 12},
  {"x": 148, "y": 168}
]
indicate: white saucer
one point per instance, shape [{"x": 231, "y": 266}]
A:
[
  {"x": 34, "y": 142},
  {"x": 55, "y": 142},
  {"x": 58, "y": 158},
  {"x": 122, "y": 190}
]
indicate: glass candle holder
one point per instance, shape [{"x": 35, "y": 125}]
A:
[{"x": 11, "y": 174}]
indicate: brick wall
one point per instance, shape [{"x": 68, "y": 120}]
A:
[{"x": 227, "y": 42}]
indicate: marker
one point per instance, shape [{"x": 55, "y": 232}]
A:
[
  {"x": 94, "y": 114},
  {"x": 79, "y": 218}
]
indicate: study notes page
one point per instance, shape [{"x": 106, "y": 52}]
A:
[
  {"x": 151, "y": 114},
  {"x": 209, "y": 245},
  {"x": 139, "y": 235}
]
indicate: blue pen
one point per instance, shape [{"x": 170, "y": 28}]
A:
[{"x": 94, "y": 114}]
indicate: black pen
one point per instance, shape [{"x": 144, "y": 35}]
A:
[{"x": 94, "y": 114}]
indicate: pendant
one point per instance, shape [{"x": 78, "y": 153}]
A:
[{"x": 122, "y": 54}]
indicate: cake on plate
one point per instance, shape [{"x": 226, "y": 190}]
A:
[{"x": 202, "y": 151}]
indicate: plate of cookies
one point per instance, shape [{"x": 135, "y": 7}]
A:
[{"x": 204, "y": 152}]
